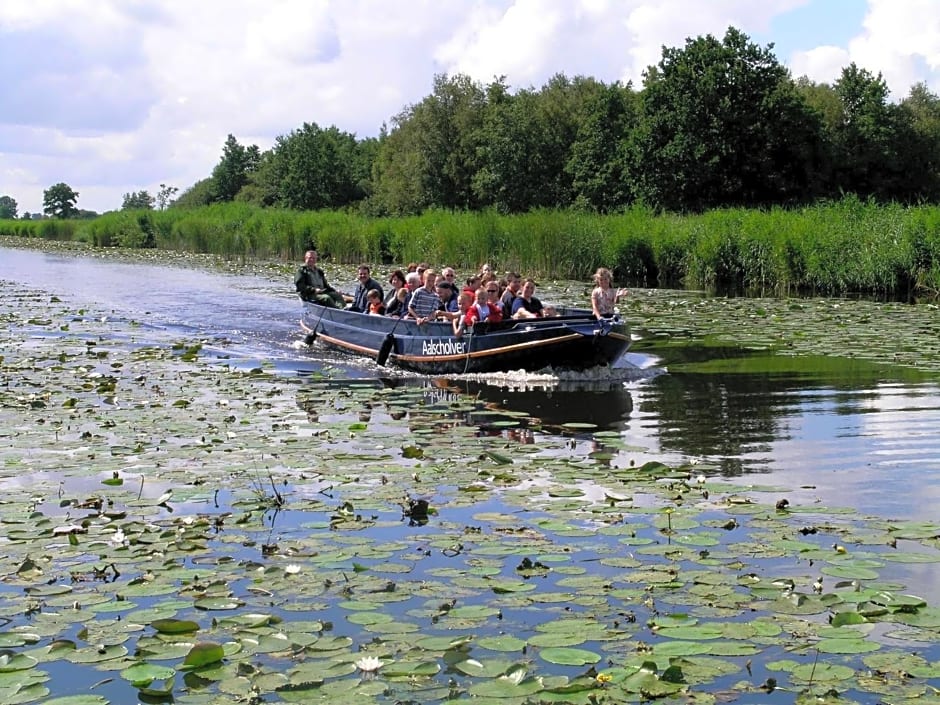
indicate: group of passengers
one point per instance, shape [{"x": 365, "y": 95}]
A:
[{"x": 424, "y": 294}]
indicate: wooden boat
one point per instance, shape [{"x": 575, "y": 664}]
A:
[{"x": 572, "y": 340}]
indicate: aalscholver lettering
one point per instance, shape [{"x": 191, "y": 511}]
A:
[{"x": 443, "y": 347}]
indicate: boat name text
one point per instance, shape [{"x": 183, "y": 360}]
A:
[{"x": 443, "y": 347}]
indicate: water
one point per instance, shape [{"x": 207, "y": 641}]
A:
[
  {"x": 831, "y": 432},
  {"x": 844, "y": 431}
]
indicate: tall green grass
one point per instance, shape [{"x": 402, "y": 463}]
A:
[{"x": 831, "y": 248}]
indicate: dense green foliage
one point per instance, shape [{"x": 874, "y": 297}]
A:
[
  {"x": 716, "y": 124},
  {"x": 8, "y": 207},
  {"x": 58, "y": 201},
  {"x": 830, "y": 248},
  {"x": 139, "y": 200}
]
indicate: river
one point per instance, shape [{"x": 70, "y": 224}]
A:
[
  {"x": 827, "y": 434},
  {"x": 864, "y": 440}
]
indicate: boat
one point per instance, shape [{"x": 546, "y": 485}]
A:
[{"x": 573, "y": 339}]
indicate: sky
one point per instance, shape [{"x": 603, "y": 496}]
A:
[{"x": 118, "y": 96}]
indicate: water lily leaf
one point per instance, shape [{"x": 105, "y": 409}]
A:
[
  {"x": 203, "y": 654},
  {"x": 895, "y": 601},
  {"x": 507, "y": 687},
  {"x": 78, "y": 700},
  {"x": 850, "y": 572},
  {"x": 97, "y": 654},
  {"x": 141, "y": 675},
  {"x": 846, "y": 646},
  {"x": 557, "y": 639},
  {"x": 364, "y": 618},
  {"x": 9, "y": 639},
  {"x": 248, "y": 620},
  {"x": 411, "y": 669},
  {"x": 501, "y": 587},
  {"x": 218, "y": 603},
  {"x": 503, "y": 642},
  {"x": 16, "y": 662},
  {"x": 175, "y": 626},
  {"x": 567, "y": 656},
  {"x": 847, "y": 618}
]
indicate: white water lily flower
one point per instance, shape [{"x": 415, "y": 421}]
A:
[
  {"x": 700, "y": 479},
  {"x": 369, "y": 664},
  {"x": 292, "y": 569}
]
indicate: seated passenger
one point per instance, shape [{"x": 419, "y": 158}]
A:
[
  {"x": 447, "y": 294},
  {"x": 396, "y": 281},
  {"x": 492, "y": 300},
  {"x": 471, "y": 285},
  {"x": 465, "y": 303},
  {"x": 398, "y": 306},
  {"x": 360, "y": 302},
  {"x": 425, "y": 303},
  {"x": 376, "y": 307},
  {"x": 412, "y": 284},
  {"x": 513, "y": 284},
  {"x": 481, "y": 310},
  {"x": 526, "y": 305}
]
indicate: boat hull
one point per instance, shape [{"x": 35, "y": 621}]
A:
[{"x": 573, "y": 340}]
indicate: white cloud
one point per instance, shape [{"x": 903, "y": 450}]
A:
[
  {"x": 822, "y": 64},
  {"x": 900, "y": 39}
]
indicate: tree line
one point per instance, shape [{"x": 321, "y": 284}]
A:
[{"x": 716, "y": 124}]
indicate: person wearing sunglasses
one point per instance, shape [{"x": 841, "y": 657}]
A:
[{"x": 492, "y": 300}]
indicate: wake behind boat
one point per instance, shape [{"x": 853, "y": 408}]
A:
[{"x": 575, "y": 339}]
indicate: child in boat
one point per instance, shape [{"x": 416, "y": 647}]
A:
[
  {"x": 604, "y": 296},
  {"x": 374, "y": 299},
  {"x": 465, "y": 304}
]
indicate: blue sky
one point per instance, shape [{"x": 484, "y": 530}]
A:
[{"x": 115, "y": 96}]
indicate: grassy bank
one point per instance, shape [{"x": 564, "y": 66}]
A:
[{"x": 833, "y": 248}]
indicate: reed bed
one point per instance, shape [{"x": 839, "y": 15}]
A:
[{"x": 833, "y": 248}]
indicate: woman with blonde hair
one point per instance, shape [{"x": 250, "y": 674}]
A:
[{"x": 604, "y": 297}]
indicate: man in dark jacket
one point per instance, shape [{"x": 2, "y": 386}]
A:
[
  {"x": 311, "y": 284},
  {"x": 366, "y": 283}
]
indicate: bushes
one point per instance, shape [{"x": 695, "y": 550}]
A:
[{"x": 830, "y": 248}]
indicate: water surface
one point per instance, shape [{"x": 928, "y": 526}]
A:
[{"x": 849, "y": 431}]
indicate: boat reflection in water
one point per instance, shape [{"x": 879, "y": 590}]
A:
[
  {"x": 552, "y": 405},
  {"x": 565, "y": 403}
]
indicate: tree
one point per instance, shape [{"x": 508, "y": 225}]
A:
[
  {"x": 141, "y": 200},
  {"x": 598, "y": 164},
  {"x": 165, "y": 196},
  {"x": 7, "y": 208},
  {"x": 527, "y": 141},
  {"x": 722, "y": 126},
  {"x": 865, "y": 157},
  {"x": 923, "y": 154},
  {"x": 200, "y": 193},
  {"x": 433, "y": 151},
  {"x": 313, "y": 168},
  {"x": 58, "y": 201},
  {"x": 232, "y": 171}
]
